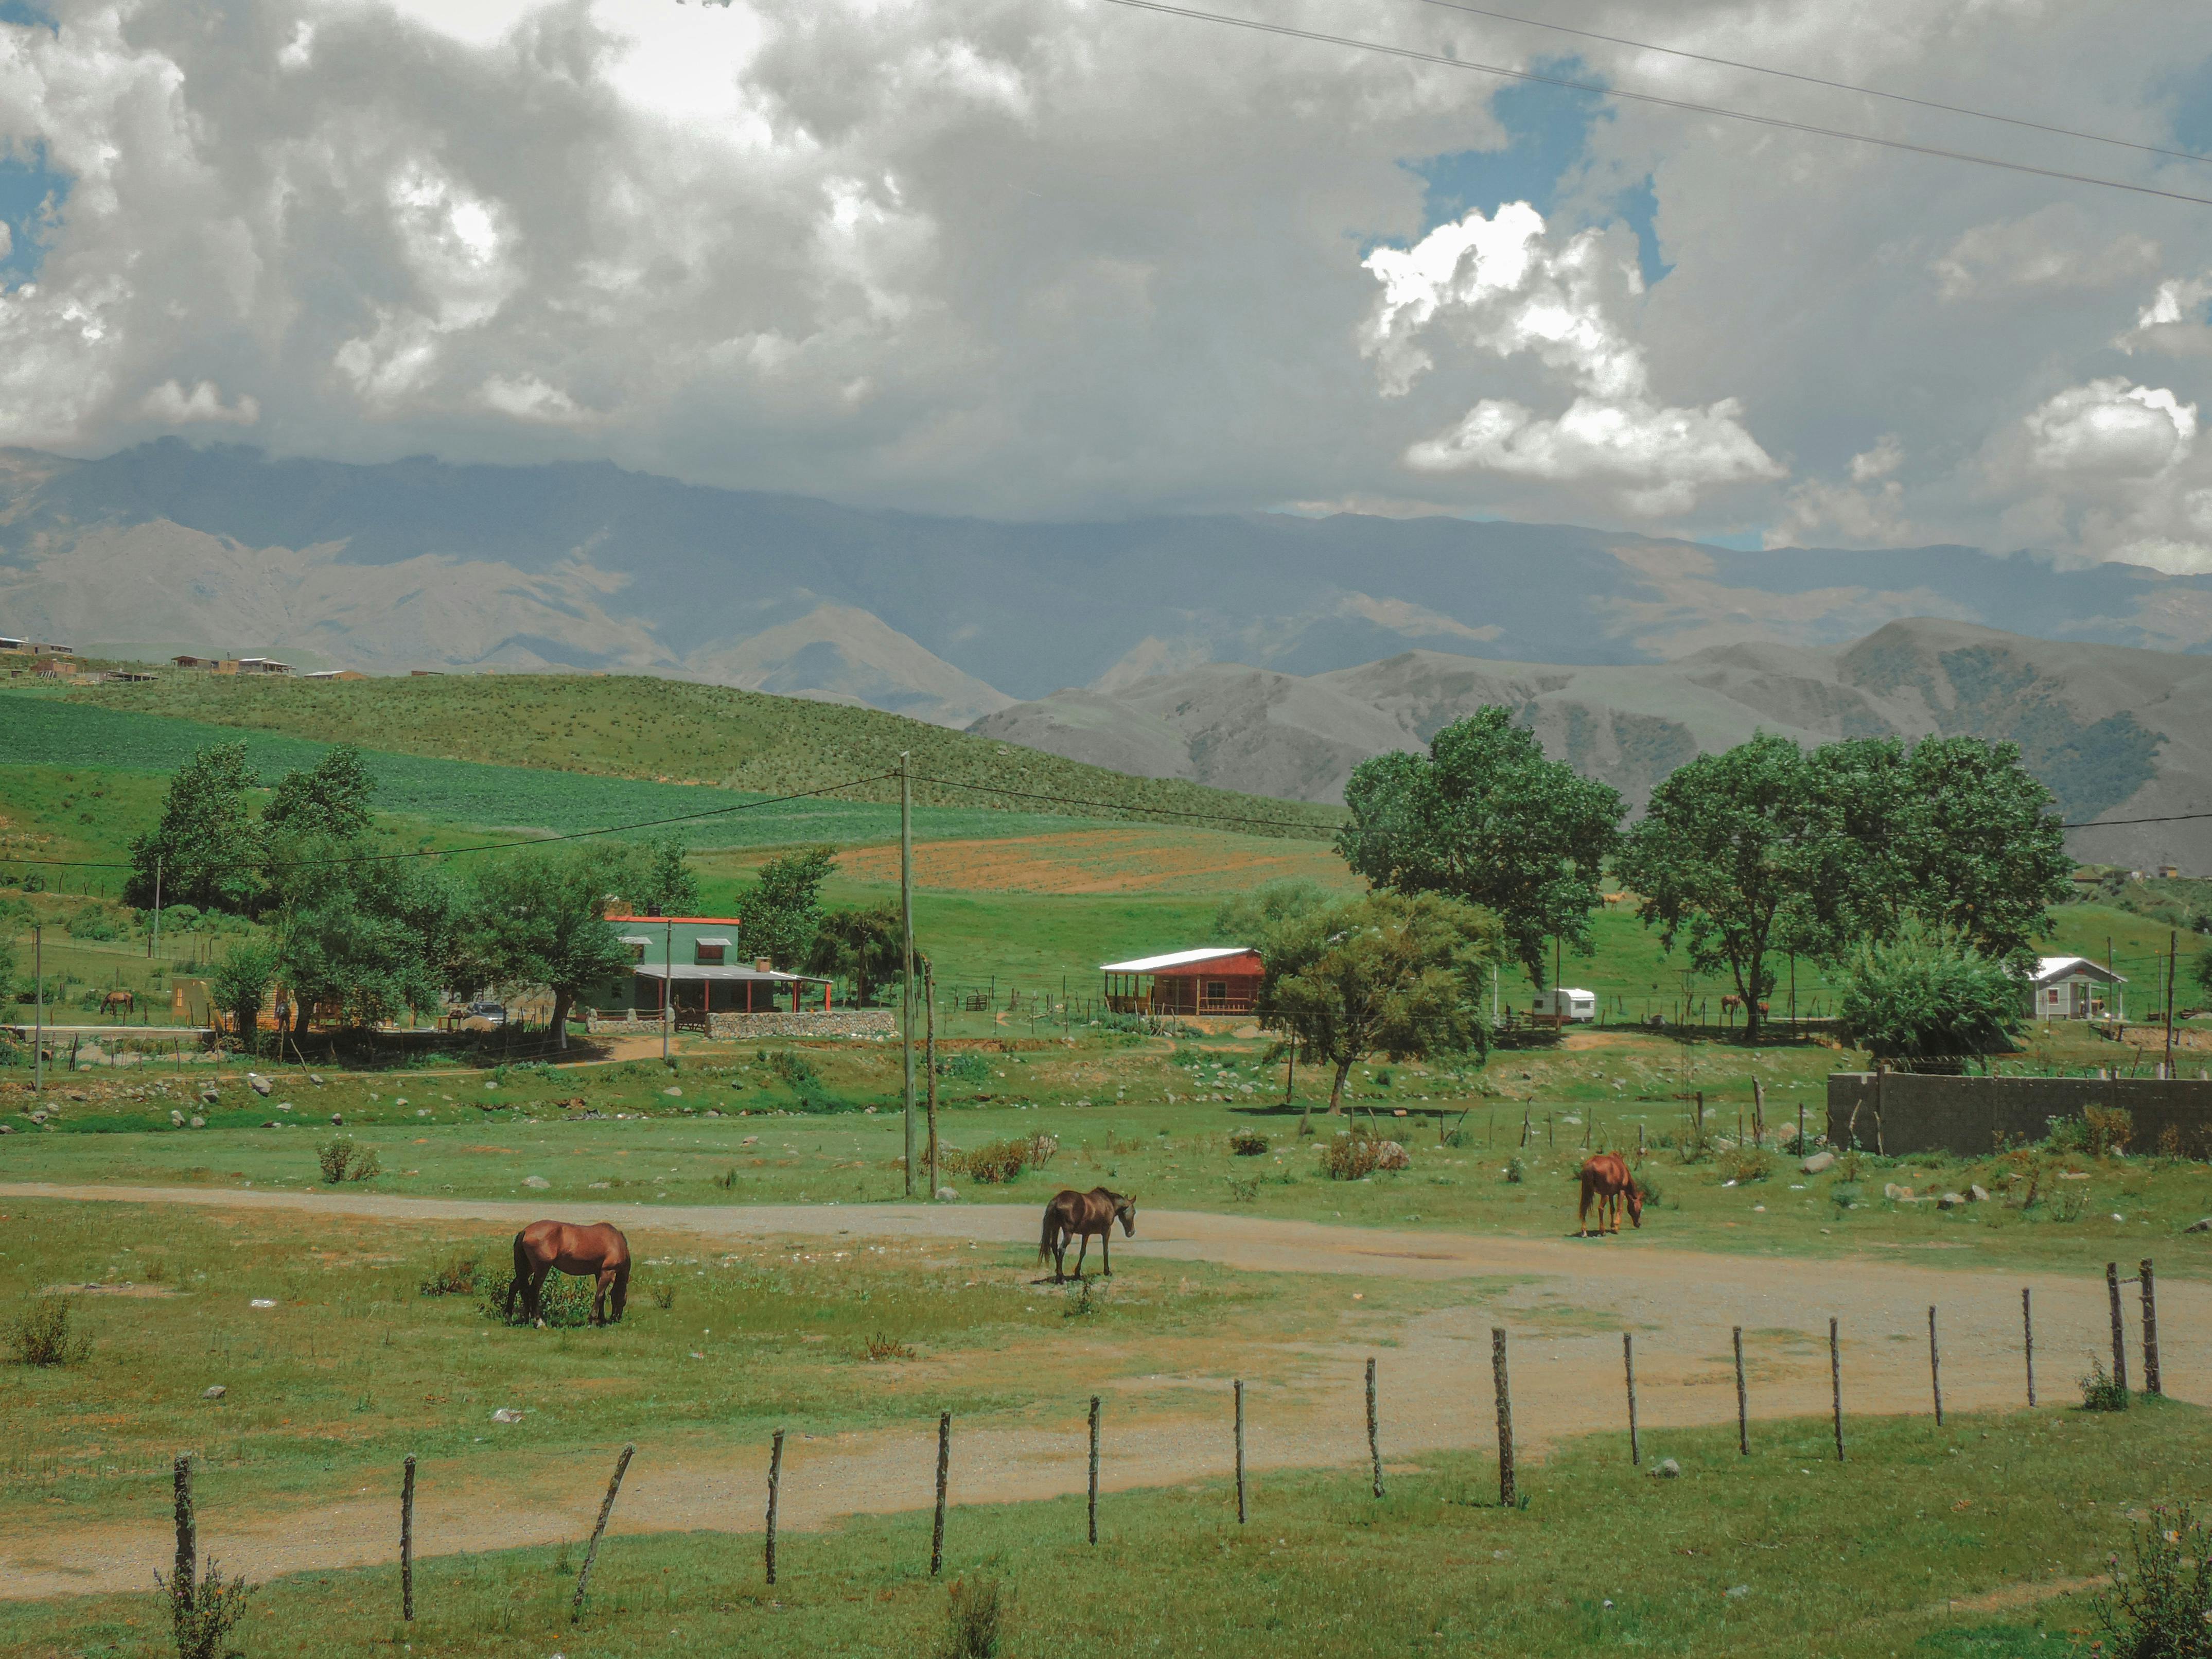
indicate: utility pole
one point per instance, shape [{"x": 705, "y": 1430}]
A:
[
  {"x": 2172, "y": 946},
  {"x": 39, "y": 1010},
  {"x": 153, "y": 941},
  {"x": 906, "y": 980},
  {"x": 667, "y": 985},
  {"x": 929, "y": 1068}
]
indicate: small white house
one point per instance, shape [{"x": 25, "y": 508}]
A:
[
  {"x": 1566, "y": 1004},
  {"x": 2075, "y": 988}
]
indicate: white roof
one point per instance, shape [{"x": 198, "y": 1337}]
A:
[
  {"x": 2056, "y": 968},
  {"x": 703, "y": 940},
  {"x": 716, "y": 971},
  {"x": 1173, "y": 960}
]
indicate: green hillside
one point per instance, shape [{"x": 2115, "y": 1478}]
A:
[{"x": 667, "y": 732}]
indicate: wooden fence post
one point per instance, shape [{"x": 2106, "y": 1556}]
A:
[
  {"x": 1239, "y": 1388},
  {"x": 592, "y": 1550},
  {"x": 2150, "y": 1330},
  {"x": 1757, "y": 1113},
  {"x": 774, "y": 1493},
  {"x": 1374, "y": 1431},
  {"x": 2027, "y": 1340},
  {"x": 2119, "y": 1326},
  {"x": 1094, "y": 1468},
  {"x": 407, "y": 1541},
  {"x": 1742, "y": 1411},
  {"x": 183, "y": 1582},
  {"x": 1934, "y": 1367},
  {"x": 1836, "y": 1383},
  {"x": 1628, "y": 1361},
  {"x": 1506, "y": 1493},
  {"x": 943, "y": 1469}
]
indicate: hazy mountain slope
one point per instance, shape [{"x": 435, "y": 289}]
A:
[
  {"x": 420, "y": 564},
  {"x": 2114, "y": 732}
]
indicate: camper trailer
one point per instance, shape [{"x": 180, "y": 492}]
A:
[{"x": 1564, "y": 1005}]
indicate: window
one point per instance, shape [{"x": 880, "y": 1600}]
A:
[
  {"x": 637, "y": 952},
  {"x": 710, "y": 951}
]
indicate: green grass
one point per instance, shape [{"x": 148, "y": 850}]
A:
[
  {"x": 638, "y": 728},
  {"x": 1785, "y": 1554}
]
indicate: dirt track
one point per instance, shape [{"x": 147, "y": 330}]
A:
[{"x": 1569, "y": 1302}]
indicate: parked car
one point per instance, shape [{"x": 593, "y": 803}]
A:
[{"x": 484, "y": 1017}]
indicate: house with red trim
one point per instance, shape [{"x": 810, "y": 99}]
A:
[{"x": 1218, "y": 979}]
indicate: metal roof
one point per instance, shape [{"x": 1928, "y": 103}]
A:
[
  {"x": 2051, "y": 968},
  {"x": 715, "y": 970},
  {"x": 1176, "y": 959},
  {"x": 724, "y": 943}
]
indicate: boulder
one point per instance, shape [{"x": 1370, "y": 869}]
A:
[
  {"x": 338, "y": 1118},
  {"x": 198, "y": 1123},
  {"x": 1950, "y": 1201},
  {"x": 2201, "y": 1225},
  {"x": 1895, "y": 1193},
  {"x": 946, "y": 1195},
  {"x": 539, "y": 1182},
  {"x": 673, "y": 1093},
  {"x": 210, "y": 1095},
  {"x": 316, "y": 1078},
  {"x": 214, "y": 1391},
  {"x": 1818, "y": 1162},
  {"x": 507, "y": 1414},
  {"x": 1389, "y": 1154},
  {"x": 177, "y": 1118},
  {"x": 1666, "y": 1469},
  {"x": 1977, "y": 1194},
  {"x": 259, "y": 1083},
  {"x": 37, "y": 1117}
]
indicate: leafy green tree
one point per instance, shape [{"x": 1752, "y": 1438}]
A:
[
  {"x": 1735, "y": 859},
  {"x": 331, "y": 798},
  {"x": 865, "y": 948},
  {"x": 1252, "y": 918},
  {"x": 208, "y": 842},
  {"x": 669, "y": 887},
  {"x": 1484, "y": 818},
  {"x": 240, "y": 985},
  {"x": 539, "y": 920},
  {"x": 1388, "y": 973},
  {"x": 780, "y": 913},
  {"x": 370, "y": 938},
  {"x": 1928, "y": 994}
]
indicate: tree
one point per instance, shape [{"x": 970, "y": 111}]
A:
[
  {"x": 1928, "y": 993},
  {"x": 1738, "y": 853},
  {"x": 240, "y": 985},
  {"x": 208, "y": 844},
  {"x": 539, "y": 920},
  {"x": 370, "y": 938},
  {"x": 1977, "y": 846},
  {"x": 1484, "y": 818},
  {"x": 781, "y": 912},
  {"x": 1403, "y": 976},
  {"x": 669, "y": 888},
  {"x": 1254, "y": 917},
  {"x": 331, "y": 798},
  {"x": 866, "y": 948}
]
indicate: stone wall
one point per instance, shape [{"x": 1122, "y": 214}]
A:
[
  {"x": 808, "y": 1022},
  {"x": 1975, "y": 1116}
]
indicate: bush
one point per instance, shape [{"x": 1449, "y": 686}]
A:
[
  {"x": 1845, "y": 1193},
  {"x": 2163, "y": 1609},
  {"x": 1247, "y": 1143},
  {"x": 965, "y": 1067},
  {"x": 1515, "y": 1172},
  {"x": 1648, "y": 1184},
  {"x": 43, "y": 1334},
  {"x": 880, "y": 1347},
  {"x": 1746, "y": 1163},
  {"x": 94, "y": 923},
  {"x": 343, "y": 1160},
  {"x": 2101, "y": 1391},
  {"x": 974, "y": 1619},
  {"x": 454, "y": 1277},
  {"x": 1353, "y": 1154},
  {"x": 564, "y": 1300},
  {"x": 664, "y": 1297},
  {"x": 201, "y": 1624},
  {"x": 996, "y": 1162},
  {"x": 1928, "y": 994},
  {"x": 2109, "y": 1129}
]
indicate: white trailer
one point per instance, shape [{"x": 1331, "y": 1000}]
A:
[{"x": 1564, "y": 1005}]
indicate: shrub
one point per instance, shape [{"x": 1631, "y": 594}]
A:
[
  {"x": 201, "y": 1622},
  {"x": 92, "y": 922},
  {"x": 727, "y": 1181},
  {"x": 664, "y": 1297},
  {"x": 880, "y": 1347},
  {"x": 965, "y": 1067},
  {"x": 44, "y": 1335},
  {"x": 2162, "y": 1609},
  {"x": 2068, "y": 1135},
  {"x": 1246, "y": 1143},
  {"x": 564, "y": 1301},
  {"x": 342, "y": 1159},
  {"x": 2109, "y": 1129},
  {"x": 455, "y": 1278},
  {"x": 1648, "y": 1184},
  {"x": 1845, "y": 1193},
  {"x": 974, "y": 1619},
  {"x": 995, "y": 1162},
  {"x": 1746, "y": 1163},
  {"x": 1354, "y": 1153},
  {"x": 1851, "y": 1165},
  {"x": 2101, "y": 1391},
  {"x": 1928, "y": 993}
]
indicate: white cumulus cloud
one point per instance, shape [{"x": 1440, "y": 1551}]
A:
[
  {"x": 171, "y": 405},
  {"x": 2110, "y": 426}
]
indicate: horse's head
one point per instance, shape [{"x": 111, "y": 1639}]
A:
[
  {"x": 1635, "y": 1203},
  {"x": 1125, "y": 1211}
]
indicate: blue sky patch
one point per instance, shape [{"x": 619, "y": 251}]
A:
[
  {"x": 23, "y": 14},
  {"x": 31, "y": 197},
  {"x": 1547, "y": 140}
]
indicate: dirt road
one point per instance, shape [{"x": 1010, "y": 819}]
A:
[{"x": 1564, "y": 1301}]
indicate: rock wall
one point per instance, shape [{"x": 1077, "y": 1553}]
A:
[
  {"x": 837, "y": 1022},
  {"x": 1973, "y": 1116}
]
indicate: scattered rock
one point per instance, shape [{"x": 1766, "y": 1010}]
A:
[
  {"x": 1739, "y": 1589},
  {"x": 1950, "y": 1201},
  {"x": 214, "y": 1391},
  {"x": 198, "y": 1123},
  {"x": 37, "y": 1117},
  {"x": 539, "y": 1181},
  {"x": 210, "y": 1095},
  {"x": 673, "y": 1093},
  {"x": 711, "y": 1112},
  {"x": 945, "y": 1194},
  {"x": 177, "y": 1118},
  {"x": 1892, "y": 1191},
  {"x": 601, "y": 1185},
  {"x": 1977, "y": 1194},
  {"x": 1666, "y": 1469},
  {"x": 315, "y": 1079},
  {"x": 259, "y": 1083},
  {"x": 271, "y": 1124},
  {"x": 2201, "y": 1225},
  {"x": 338, "y": 1118},
  {"x": 507, "y": 1414},
  {"x": 1818, "y": 1162},
  {"x": 263, "y": 1302},
  {"x": 2073, "y": 1175},
  {"x": 6, "y": 1128},
  {"x": 1389, "y": 1154}
]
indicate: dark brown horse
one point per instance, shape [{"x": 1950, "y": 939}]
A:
[
  {"x": 1080, "y": 1215},
  {"x": 122, "y": 1000},
  {"x": 599, "y": 1251},
  {"x": 1607, "y": 1179}
]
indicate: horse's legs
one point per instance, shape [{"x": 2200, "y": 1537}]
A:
[
  {"x": 1582, "y": 1213},
  {"x": 533, "y": 1298},
  {"x": 1106, "y": 1249},
  {"x": 606, "y": 1283},
  {"x": 1083, "y": 1250}
]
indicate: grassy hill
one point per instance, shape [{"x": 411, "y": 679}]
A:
[{"x": 672, "y": 732}]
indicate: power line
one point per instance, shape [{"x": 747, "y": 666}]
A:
[
  {"x": 1118, "y": 806},
  {"x": 2114, "y": 823},
  {"x": 1603, "y": 91},
  {"x": 1819, "y": 80}
]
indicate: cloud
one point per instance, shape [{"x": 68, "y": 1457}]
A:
[
  {"x": 2112, "y": 428},
  {"x": 1866, "y": 511},
  {"x": 170, "y": 404},
  {"x": 1500, "y": 285},
  {"x": 2174, "y": 322},
  {"x": 2058, "y": 248}
]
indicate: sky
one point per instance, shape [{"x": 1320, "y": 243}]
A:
[{"x": 1067, "y": 258}]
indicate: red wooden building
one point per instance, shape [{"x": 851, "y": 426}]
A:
[{"x": 1222, "y": 979}]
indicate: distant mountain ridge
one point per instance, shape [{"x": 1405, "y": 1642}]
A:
[
  {"x": 2115, "y": 731},
  {"x": 420, "y": 564}
]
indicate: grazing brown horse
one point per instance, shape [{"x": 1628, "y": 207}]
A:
[
  {"x": 1607, "y": 1179},
  {"x": 122, "y": 1000},
  {"x": 599, "y": 1251},
  {"x": 1079, "y": 1215}
]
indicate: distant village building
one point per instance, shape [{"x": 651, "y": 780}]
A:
[
  {"x": 1218, "y": 980},
  {"x": 2075, "y": 988},
  {"x": 252, "y": 665},
  {"x": 334, "y": 674},
  {"x": 192, "y": 662}
]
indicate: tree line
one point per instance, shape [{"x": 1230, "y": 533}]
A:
[{"x": 360, "y": 927}]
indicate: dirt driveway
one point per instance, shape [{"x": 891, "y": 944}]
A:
[{"x": 1564, "y": 1301}]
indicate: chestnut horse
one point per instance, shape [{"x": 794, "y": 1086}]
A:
[
  {"x": 1607, "y": 1179},
  {"x": 122, "y": 1000},
  {"x": 599, "y": 1251},
  {"x": 1079, "y": 1215}
]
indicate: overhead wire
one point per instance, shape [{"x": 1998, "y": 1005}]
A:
[{"x": 1538, "y": 77}]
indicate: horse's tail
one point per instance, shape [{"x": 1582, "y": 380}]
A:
[
  {"x": 1051, "y": 1228},
  {"x": 522, "y": 1276}
]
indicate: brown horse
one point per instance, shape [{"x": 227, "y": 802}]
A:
[
  {"x": 1607, "y": 1179},
  {"x": 599, "y": 1251},
  {"x": 122, "y": 1000},
  {"x": 1079, "y": 1215}
]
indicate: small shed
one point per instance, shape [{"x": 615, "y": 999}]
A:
[
  {"x": 1221, "y": 979},
  {"x": 2075, "y": 988}
]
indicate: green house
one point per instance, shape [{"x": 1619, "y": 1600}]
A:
[{"x": 692, "y": 962}]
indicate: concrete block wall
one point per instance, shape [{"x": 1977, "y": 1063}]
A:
[
  {"x": 1973, "y": 1116},
  {"x": 837, "y": 1022}
]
